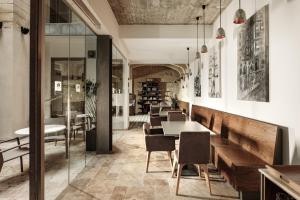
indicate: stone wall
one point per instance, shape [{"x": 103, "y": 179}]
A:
[
  {"x": 14, "y": 64},
  {"x": 169, "y": 76}
]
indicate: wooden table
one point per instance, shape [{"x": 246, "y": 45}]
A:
[{"x": 174, "y": 128}]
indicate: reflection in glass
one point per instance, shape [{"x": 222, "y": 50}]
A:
[
  {"x": 118, "y": 62},
  {"x": 69, "y": 76}
]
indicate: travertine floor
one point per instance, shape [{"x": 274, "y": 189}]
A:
[
  {"x": 121, "y": 175},
  {"x": 14, "y": 185}
]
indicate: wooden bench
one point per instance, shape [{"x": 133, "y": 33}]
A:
[
  {"x": 184, "y": 106},
  {"x": 241, "y": 147}
]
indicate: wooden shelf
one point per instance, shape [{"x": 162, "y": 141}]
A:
[{"x": 150, "y": 94}]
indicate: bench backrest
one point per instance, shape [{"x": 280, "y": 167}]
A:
[
  {"x": 184, "y": 106},
  {"x": 262, "y": 139},
  {"x": 202, "y": 115}
]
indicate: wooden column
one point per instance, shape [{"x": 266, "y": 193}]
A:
[
  {"x": 104, "y": 94},
  {"x": 36, "y": 107}
]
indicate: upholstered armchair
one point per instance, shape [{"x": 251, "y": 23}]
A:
[{"x": 156, "y": 141}]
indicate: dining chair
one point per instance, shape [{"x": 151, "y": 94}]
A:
[
  {"x": 194, "y": 149},
  {"x": 156, "y": 141},
  {"x": 176, "y": 116},
  {"x": 155, "y": 121},
  {"x": 14, "y": 151},
  {"x": 154, "y": 110}
]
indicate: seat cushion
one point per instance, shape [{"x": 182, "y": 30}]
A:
[{"x": 238, "y": 157}]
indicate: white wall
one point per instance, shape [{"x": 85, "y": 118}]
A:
[{"x": 284, "y": 107}]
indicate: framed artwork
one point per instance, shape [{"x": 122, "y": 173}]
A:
[
  {"x": 214, "y": 72},
  {"x": 197, "y": 80},
  {"x": 253, "y": 58}
]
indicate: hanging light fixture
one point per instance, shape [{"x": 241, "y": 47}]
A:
[
  {"x": 204, "y": 47},
  {"x": 240, "y": 15},
  {"x": 189, "y": 71},
  {"x": 220, "y": 31},
  {"x": 197, "y": 53}
]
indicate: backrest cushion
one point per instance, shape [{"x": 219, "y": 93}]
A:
[{"x": 194, "y": 148}]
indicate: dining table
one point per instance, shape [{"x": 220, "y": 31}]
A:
[
  {"x": 174, "y": 128},
  {"x": 53, "y": 128},
  {"x": 48, "y": 129}
]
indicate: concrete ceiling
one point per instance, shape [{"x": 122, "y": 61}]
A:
[{"x": 164, "y": 12}]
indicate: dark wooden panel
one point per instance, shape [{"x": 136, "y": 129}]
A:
[
  {"x": 104, "y": 94},
  {"x": 36, "y": 105}
]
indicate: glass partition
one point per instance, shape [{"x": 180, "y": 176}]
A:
[
  {"x": 118, "y": 62},
  {"x": 70, "y": 83}
]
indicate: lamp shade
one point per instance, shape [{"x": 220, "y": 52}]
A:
[
  {"x": 204, "y": 49},
  {"x": 240, "y": 16},
  {"x": 220, "y": 33}
]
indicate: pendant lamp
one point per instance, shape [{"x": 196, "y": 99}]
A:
[
  {"x": 204, "y": 47},
  {"x": 220, "y": 31},
  {"x": 240, "y": 15}
]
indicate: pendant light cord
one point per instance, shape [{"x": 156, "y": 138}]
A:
[
  {"x": 239, "y": 4},
  {"x": 220, "y": 15},
  {"x": 188, "y": 56},
  {"x": 197, "y": 32},
  {"x": 204, "y": 21}
]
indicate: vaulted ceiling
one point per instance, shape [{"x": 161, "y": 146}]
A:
[{"x": 167, "y": 12}]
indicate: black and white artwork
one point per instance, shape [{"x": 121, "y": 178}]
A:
[
  {"x": 197, "y": 80},
  {"x": 253, "y": 58},
  {"x": 214, "y": 72}
]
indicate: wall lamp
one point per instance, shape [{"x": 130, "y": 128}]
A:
[{"x": 24, "y": 30}]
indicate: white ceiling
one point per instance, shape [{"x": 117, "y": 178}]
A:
[
  {"x": 161, "y": 45},
  {"x": 160, "y": 51}
]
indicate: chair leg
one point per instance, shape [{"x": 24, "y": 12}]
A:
[
  {"x": 174, "y": 168},
  {"x": 21, "y": 163},
  {"x": 148, "y": 160},
  {"x": 206, "y": 174},
  {"x": 199, "y": 171},
  {"x": 179, "y": 170},
  {"x": 170, "y": 158}
]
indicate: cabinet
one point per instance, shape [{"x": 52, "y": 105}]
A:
[{"x": 280, "y": 182}]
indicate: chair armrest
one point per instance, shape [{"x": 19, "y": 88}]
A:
[
  {"x": 159, "y": 143},
  {"x": 11, "y": 148}
]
